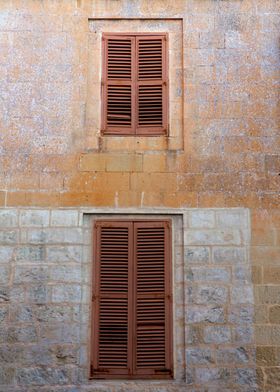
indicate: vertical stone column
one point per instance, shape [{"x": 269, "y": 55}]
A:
[{"x": 218, "y": 300}]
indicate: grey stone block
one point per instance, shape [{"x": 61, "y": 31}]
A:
[
  {"x": 9, "y": 354},
  {"x": 242, "y": 274},
  {"x": 13, "y": 294},
  {"x": 189, "y": 376},
  {"x": 202, "y": 219},
  {"x": 30, "y": 253},
  {"x": 38, "y": 294},
  {"x": 8, "y": 237},
  {"x": 42, "y": 376},
  {"x": 199, "y": 356},
  {"x": 66, "y": 354},
  {"x": 208, "y": 314},
  {"x": 21, "y": 313},
  {"x": 238, "y": 355},
  {"x": 50, "y": 312},
  {"x": 18, "y": 334},
  {"x": 65, "y": 273},
  {"x": 229, "y": 255},
  {"x": 4, "y": 313},
  {"x": 243, "y": 314},
  {"x": 4, "y": 274},
  {"x": 6, "y": 254},
  {"x": 210, "y": 376},
  {"x": 230, "y": 218},
  {"x": 206, "y": 274},
  {"x": 59, "y": 333},
  {"x": 66, "y": 293},
  {"x": 64, "y": 253},
  {"x": 246, "y": 377},
  {"x": 8, "y": 218},
  {"x": 29, "y": 218},
  {"x": 243, "y": 334},
  {"x": 194, "y": 334},
  {"x": 55, "y": 236},
  {"x": 211, "y": 295},
  {"x": 37, "y": 355},
  {"x": 242, "y": 295},
  {"x": 217, "y": 334},
  {"x": 197, "y": 255},
  {"x": 64, "y": 218},
  {"x": 212, "y": 237},
  {"x": 28, "y": 274}
]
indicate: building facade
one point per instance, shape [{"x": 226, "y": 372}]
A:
[{"x": 196, "y": 149}]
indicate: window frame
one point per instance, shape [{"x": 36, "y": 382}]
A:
[
  {"x": 166, "y": 223},
  {"x": 136, "y": 130}
]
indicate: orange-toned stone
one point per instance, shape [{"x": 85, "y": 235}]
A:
[
  {"x": 263, "y": 236},
  {"x": 154, "y": 163},
  {"x": 153, "y": 182},
  {"x": 180, "y": 199},
  {"x": 211, "y": 199},
  {"x": 265, "y": 254},
  {"x": 51, "y": 181},
  {"x": 92, "y": 162},
  {"x": 271, "y": 274}
]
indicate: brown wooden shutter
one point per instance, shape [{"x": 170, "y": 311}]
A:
[
  {"x": 153, "y": 298},
  {"x": 111, "y": 300},
  {"x": 118, "y": 87},
  {"x": 135, "y": 83},
  {"x": 151, "y": 85},
  {"x": 132, "y": 300}
]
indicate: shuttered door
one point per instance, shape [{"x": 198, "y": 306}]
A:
[
  {"x": 134, "y": 92},
  {"x": 132, "y": 300},
  {"x": 118, "y": 87},
  {"x": 151, "y": 94}
]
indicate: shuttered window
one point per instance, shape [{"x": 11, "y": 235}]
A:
[
  {"x": 134, "y": 84},
  {"x": 132, "y": 300}
]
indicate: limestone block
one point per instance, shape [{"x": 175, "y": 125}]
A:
[
  {"x": 8, "y": 237},
  {"x": 66, "y": 293},
  {"x": 200, "y": 255},
  {"x": 239, "y": 355},
  {"x": 229, "y": 255},
  {"x": 208, "y": 314},
  {"x": 64, "y": 218},
  {"x": 26, "y": 253},
  {"x": 205, "y": 274},
  {"x": 217, "y": 334},
  {"x": 199, "y": 356},
  {"x": 212, "y": 237},
  {"x": 8, "y": 218},
  {"x": 201, "y": 219},
  {"x": 62, "y": 254},
  {"x": 34, "y": 218}
]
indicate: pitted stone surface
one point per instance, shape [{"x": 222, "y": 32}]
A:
[{"x": 45, "y": 306}]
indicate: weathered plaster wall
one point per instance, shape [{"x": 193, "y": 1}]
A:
[
  {"x": 46, "y": 261},
  {"x": 51, "y": 152}
]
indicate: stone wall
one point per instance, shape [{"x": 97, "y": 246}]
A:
[
  {"x": 46, "y": 273},
  {"x": 224, "y": 141}
]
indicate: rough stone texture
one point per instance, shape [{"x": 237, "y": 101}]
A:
[
  {"x": 45, "y": 306},
  {"x": 219, "y": 303},
  {"x": 223, "y": 149}
]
